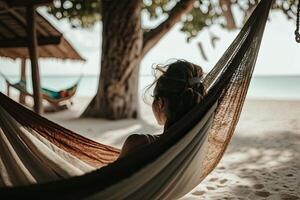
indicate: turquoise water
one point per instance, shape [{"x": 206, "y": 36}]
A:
[{"x": 262, "y": 87}]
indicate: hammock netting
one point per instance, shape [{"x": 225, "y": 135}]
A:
[{"x": 42, "y": 160}]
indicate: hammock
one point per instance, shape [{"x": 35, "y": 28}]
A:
[
  {"x": 61, "y": 163},
  {"x": 56, "y": 98}
]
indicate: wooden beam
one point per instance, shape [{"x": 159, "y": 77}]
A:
[
  {"x": 8, "y": 29},
  {"x": 2, "y": 35},
  {"x": 21, "y": 20},
  {"x": 26, "y": 3},
  {"x": 24, "y": 42},
  {"x": 3, "y": 6},
  {"x": 33, "y": 54},
  {"x": 22, "y": 96}
]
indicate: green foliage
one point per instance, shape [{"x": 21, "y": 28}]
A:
[
  {"x": 85, "y": 13},
  {"x": 80, "y": 13},
  {"x": 204, "y": 14},
  {"x": 156, "y": 8},
  {"x": 288, "y": 7}
]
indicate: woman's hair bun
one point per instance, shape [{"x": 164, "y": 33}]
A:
[{"x": 191, "y": 97}]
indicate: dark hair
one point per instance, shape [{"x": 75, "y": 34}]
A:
[{"x": 179, "y": 83}]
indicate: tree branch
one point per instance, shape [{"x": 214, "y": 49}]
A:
[
  {"x": 227, "y": 13},
  {"x": 153, "y": 36}
]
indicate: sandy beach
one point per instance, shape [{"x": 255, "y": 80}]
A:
[{"x": 262, "y": 161}]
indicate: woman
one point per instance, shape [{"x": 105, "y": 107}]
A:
[{"x": 177, "y": 90}]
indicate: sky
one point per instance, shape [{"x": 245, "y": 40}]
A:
[{"x": 279, "y": 53}]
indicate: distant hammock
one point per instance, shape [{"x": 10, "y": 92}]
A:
[{"x": 55, "y": 98}]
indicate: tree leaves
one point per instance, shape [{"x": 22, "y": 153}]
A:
[
  {"x": 80, "y": 13},
  {"x": 85, "y": 13},
  {"x": 204, "y": 14}
]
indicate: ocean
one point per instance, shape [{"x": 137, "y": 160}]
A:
[{"x": 261, "y": 87}]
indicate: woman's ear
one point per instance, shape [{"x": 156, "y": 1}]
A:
[
  {"x": 159, "y": 109},
  {"x": 161, "y": 103}
]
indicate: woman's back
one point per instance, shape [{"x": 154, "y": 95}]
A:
[{"x": 135, "y": 141}]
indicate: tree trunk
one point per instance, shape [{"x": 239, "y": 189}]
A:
[{"x": 122, "y": 40}]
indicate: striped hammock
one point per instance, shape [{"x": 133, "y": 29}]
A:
[{"x": 42, "y": 160}]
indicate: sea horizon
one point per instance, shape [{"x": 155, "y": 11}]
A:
[{"x": 277, "y": 87}]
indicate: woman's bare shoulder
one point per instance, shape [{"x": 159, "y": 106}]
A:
[
  {"x": 136, "y": 139},
  {"x": 133, "y": 142}
]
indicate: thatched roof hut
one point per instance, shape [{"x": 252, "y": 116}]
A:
[
  {"x": 14, "y": 40},
  {"x": 24, "y": 33}
]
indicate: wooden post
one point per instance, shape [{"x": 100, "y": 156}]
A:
[
  {"x": 22, "y": 96},
  {"x": 33, "y": 54},
  {"x": 7, "y": 89}
]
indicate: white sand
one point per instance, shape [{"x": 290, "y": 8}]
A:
[{"x": 262, "y": 161}]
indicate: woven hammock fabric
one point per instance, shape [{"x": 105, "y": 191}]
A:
[{"x": 48, "y": 161}]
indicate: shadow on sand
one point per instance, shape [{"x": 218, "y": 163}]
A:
[{"x": 264, "y": 167}]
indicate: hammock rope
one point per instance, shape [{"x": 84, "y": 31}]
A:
[{"x": 167, "y": 169}]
